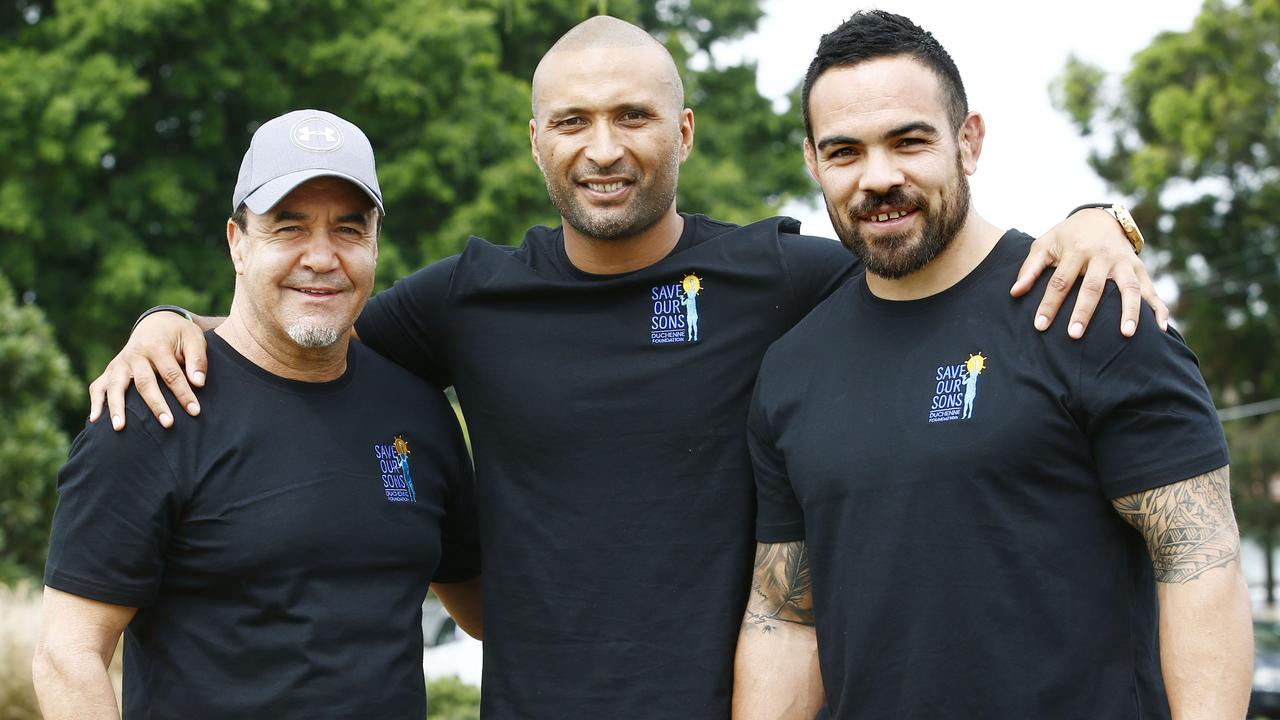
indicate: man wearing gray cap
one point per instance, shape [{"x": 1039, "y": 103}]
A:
[{"x": 271, "y": 557}]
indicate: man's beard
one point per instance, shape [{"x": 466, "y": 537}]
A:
[
  {"x": 645, "y": 209},
  {"x": 896, "y": 256},
  {"x": 308, "y": 335}
]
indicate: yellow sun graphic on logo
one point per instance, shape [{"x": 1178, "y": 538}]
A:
[
  {"x": 402, "y": 447},
  {"x": 976, "y": 364},
  {"x": 692, "y": 284}
]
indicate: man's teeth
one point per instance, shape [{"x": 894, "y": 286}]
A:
[
  {"x": 605, "y": 187},
  {"x": 888, "y": 216}
]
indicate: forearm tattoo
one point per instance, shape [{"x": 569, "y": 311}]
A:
[
  {"x": 1188, "y": 525},
  {"x": 781, "y": 590}
]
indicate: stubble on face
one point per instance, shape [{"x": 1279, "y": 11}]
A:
[
  {"x": 653, "y": 195},
  {"x": 897, "y": 255}
]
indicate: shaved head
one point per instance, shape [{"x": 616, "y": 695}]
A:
[{"x": 603, "y": 33}]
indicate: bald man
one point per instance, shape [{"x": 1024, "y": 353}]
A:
[{"x": 606, "y": 408}]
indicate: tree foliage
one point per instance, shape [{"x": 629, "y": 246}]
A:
[
  {"x": 1194, "y": 139},
  {"x": 122, "y": 123},
  {"x": 449, "y": 698},
  {"x": 35, "y": 382}
]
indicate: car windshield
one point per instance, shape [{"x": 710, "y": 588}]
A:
[{"x": 1266, "y": 636}]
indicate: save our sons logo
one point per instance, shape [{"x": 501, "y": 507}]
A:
[
  {"x": 956, "y": 389},
  {"x": 675, "y": 311},
  {"x": 393, "y": 461}
]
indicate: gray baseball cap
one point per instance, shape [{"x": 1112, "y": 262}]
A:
[{"x": 295, "y": 147}]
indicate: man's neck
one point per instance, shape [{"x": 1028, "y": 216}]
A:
[
  {"x": 283, "y": 358},
  {"x": 621, "y": 255},
  {"x": 971, "y": 246}
]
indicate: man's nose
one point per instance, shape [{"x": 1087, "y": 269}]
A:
[
  {"x": 321, "y": 252},
  {"x": 604, "y": 148},
  {"x": 880, "y": 173}
]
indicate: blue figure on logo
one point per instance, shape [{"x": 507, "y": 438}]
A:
[
  {"x": 692, "y": 286},
  {"x": 973, "y": 368},
  {"x": 402, "y": 450}
]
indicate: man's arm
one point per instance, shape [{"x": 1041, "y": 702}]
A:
[
  {"x": 78, "y": 636},
  {"x": 775, "y": 673},
  {"x": 464, "y": 601},
  {"x": 1206, "y": 632}
]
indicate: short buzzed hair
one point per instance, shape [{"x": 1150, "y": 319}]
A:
[
  {"x": 604, "y": 31},
  {"x": 874, "y": 34}
]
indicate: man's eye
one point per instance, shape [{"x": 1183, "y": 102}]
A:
[
  {"x": 570, "y": 122},
  {"x": 633, "y": 115},
  {"x": 844, "y": 152},
  {"x": 909, "y": 142}
]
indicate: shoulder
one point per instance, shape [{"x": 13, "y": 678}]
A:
[
  {"x": 394, "y": 382},
  {"x": 811, "y": 336},
  {"x": 706, "y": 228}
]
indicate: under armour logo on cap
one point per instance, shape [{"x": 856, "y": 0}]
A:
[{"x": 316, "y": 135}]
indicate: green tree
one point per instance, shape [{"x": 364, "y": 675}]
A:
[
  {"x": 449, "y": 698},
  {"x": 122, "y": 123},
  {"x": 35, "y": 380},
  {"x": 1255, "y": 481},
  {"x": 1194, "y": 138}
]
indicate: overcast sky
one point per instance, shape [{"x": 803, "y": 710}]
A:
[{"x": 1033, "y": 167}]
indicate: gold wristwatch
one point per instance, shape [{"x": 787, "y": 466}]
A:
[{"x": 1122, "y": 216}]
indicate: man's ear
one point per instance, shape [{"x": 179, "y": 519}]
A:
[
  {"x": 533, "y": 145},
  {"x": 236, "y": 246},
  {"x": 686, "y": 133},
  {"x": 811, "y": 159},
  {"x": 972, "y": 133}
]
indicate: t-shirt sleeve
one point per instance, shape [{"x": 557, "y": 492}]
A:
[
  {"x": 779, "y": 517},
  {"x": 815, "y": 267},
  {"x": 406, "y": 323},
  {"x": 1149, "y": 416},
  {"x": 118, "y": 502},
  {"x": 460, "y": 528}
]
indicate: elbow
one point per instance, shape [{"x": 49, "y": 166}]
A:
[
  {"x": 50, "y": 668},
  {"x": 55, "y": 668},
  {"x": 43, "y": 669}
]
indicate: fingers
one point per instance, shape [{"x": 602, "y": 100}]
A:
[
  {"x": 117, "y": 381},
  {"x": 1037, "y": 260},
  {"x": 173, "y": 376},
  {"x": 96, "y": 397},
  {"x": 1056, "y": 292},
  {"x": 1095, "y": 281},
  {"x": 191, "y": 352},
  {"x": 1149, "y": 294},
  {"x": 144, "y": 380},
  {"x": 191, "y": 347},
  {"x": 1130, "y": 299}
]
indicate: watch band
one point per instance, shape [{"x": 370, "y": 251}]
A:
[
  {"x": 162, "y": 308},
  {"x": 1127, "y": 224}
]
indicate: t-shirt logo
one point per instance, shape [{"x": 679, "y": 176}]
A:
[
  {"x": 393, "y": 461},
  {"x": 675, "y": 311},
  {"x": 956, "y": 390}
]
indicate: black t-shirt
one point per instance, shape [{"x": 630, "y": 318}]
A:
[
  {"x": 278, "y": 546},
  {"x": 950, "y": 470},
  {"x": 608, "y": 419}
]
